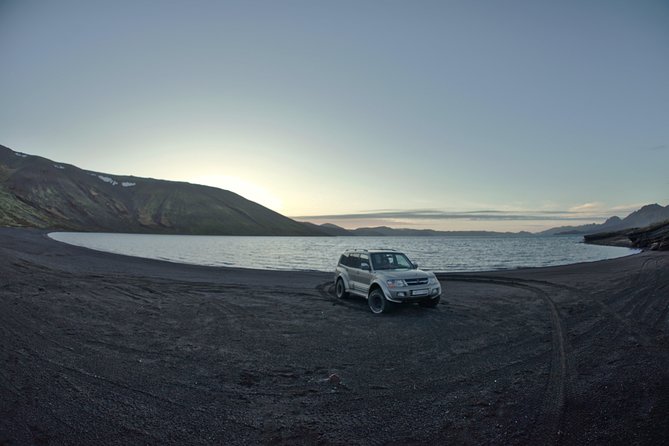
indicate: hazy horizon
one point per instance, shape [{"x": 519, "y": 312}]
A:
[{"x": 443, "y": 115}]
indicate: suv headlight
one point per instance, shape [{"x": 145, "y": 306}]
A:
[
  {"x": 396, "y": 283},
  {"x": 432, "y": 281}
]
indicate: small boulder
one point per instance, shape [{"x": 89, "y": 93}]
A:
[{"x": 334, "y": 379}]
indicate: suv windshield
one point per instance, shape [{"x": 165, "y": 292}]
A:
[{"x": 390, "y": 260}]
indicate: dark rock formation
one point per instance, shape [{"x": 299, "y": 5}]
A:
[
  {"x": 654, "y": 237},
  {"x": 619, "y": 238}
]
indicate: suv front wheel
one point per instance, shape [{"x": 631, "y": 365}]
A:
[{"x": 378, "y": 303}]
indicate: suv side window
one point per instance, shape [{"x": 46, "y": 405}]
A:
[
  {"x": 354, "y": 260},
  {"x": 364, "y": 258},
  {"x": 343, "y": 260}
]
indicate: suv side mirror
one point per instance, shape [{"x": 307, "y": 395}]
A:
[
  {"x": 415, "y": 265},
  {"x": 364, "y": 266}
]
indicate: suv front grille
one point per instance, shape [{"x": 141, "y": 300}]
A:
[{"x": 412, "y": 282}]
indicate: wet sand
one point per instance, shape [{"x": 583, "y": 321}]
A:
[{"x": 105, "y": 349}]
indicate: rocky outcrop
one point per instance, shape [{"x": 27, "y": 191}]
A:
[
  {"x": 654, "y": 237},
  {"x": 619, "y": 238}
]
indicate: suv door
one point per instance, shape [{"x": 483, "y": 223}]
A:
[
  {"x": 354, "y": 271},
  {"x": 364, "y": 275}
]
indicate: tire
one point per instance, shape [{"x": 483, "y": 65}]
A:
[
  {"x": 432, "y": 303},
  {"x": 378, "y": 303},
  {"x": 340, "y": 289}
]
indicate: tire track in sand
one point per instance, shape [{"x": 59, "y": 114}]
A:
[
  {"x": 326, "y": 290},
  {"x": 549, "y": 422}
]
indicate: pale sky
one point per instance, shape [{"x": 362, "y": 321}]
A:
[{"x": 461, "y": 115}]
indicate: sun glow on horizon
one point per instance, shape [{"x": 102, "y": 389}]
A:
[{"x": 246, "y": 189}]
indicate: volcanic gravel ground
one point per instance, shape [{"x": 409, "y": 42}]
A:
[{"x": 105, "y": 349}]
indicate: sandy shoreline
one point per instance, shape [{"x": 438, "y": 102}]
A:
[{"x": 105, "y": 349}]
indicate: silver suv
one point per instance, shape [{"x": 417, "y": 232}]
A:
[{"x": 385, "y": 277}]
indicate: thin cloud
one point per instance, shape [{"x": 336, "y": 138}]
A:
[
  {"x": 658, "y": 148},
  {"x": 587, "y": 207}
]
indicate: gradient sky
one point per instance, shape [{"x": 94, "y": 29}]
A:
[{"x": 501, "y": 115}]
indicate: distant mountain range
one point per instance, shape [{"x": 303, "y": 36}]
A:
[
  {"x": 646, "y": 216},
  {"x": 385, "y": 231},
  {"x": 40, "y": 193},
  {"x": 37, "y": 192}
]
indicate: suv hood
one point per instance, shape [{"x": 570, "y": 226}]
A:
[{"x": 403, "y": 274}]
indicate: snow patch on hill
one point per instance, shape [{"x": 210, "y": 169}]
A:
[{"x": 108, "y": 180}]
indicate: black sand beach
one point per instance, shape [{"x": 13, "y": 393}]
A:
[{"x": 105, "y": 349}]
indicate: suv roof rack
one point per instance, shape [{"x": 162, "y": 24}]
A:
[{"x": 371, "y": 249}]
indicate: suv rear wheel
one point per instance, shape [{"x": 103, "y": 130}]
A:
[
  {"x": 378, "y": 303},
  {"x": 340, "y": 289}
]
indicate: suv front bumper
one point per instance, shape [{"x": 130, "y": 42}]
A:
[{"x": 414, "y": 294}]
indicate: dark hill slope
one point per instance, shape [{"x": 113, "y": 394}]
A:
[{"x": 37, "y": 192}]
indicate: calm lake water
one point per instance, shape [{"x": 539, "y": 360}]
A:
[{"x": 444, "y": 254}]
